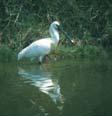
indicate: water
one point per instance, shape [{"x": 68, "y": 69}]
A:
[{"x": 63, "y": 88}]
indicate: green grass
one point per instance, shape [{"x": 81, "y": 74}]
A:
[
  {"x": 6, "y": 54},
  {"x": 62, "y": 52},
  {"x": 87, "y": 51}
]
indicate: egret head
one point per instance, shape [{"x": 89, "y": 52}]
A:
[{"x": 55, "y": 25}]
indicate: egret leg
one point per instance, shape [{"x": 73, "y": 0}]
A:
[
  {"x": 40, "y": 59},
  {"x": 47, "y": 58}
]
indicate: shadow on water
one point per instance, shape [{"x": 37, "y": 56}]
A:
[{"x": 40, "y": 77}]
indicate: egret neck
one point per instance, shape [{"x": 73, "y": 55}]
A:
[{"x": 54, "y": 34}]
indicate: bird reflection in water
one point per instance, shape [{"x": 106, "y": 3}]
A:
[{"x": 43, "y": 79}]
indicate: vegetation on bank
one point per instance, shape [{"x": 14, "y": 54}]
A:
[
  {"x": 7, "y": 54},
  {"x": 87, "y": 23},
  {"x": 62, "y": 52},
  {"x": 87, "y": 51}
]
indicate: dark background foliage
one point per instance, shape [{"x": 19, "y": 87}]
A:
[{"x": 21, "y": 21}]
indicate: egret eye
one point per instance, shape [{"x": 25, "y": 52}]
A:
[{"x": 57, "y": 27}]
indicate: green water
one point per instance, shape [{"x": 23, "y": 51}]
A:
[{"x": 62, "y": 88}]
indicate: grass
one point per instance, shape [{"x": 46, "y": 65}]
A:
[
  {"x": 62, "y": 52},
  {"x": 87, "y": 51},
  {"x": 6, "y": 54}
]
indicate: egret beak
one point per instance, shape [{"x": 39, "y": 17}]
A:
[{"x": 66, "y": 34}]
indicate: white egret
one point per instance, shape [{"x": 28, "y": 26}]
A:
[{"x": 42, "y": 47}]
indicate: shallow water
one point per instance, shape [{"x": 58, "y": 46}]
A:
[{"x": 63, "y": 88}]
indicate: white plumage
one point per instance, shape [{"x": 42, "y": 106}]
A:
[{"x": 40, "y": 48}]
